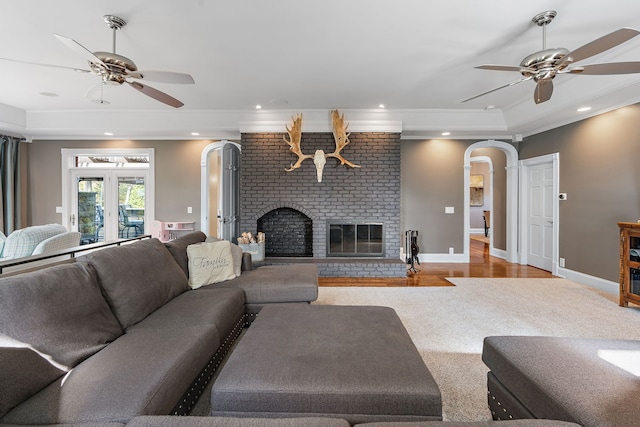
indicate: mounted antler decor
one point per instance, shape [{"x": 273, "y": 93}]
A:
[{"x": 340, "y": 135}]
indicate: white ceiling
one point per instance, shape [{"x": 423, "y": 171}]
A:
[{"x": 414, "y": 56}]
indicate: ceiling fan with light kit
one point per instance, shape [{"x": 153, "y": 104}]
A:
[
  {"x": 115, "y": 69},
  {"x": 543, "y": 66}
]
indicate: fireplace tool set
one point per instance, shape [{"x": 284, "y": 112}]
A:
[{"x": 411, "y": 249}]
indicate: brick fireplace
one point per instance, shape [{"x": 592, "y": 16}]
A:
[{"x": 344, "y": 195}]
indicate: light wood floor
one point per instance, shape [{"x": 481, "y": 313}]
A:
[{"x": 433, "y": 274}]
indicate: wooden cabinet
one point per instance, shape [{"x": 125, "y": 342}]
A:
[
  {"x": 629, "y": 263},
  {"x": 169, "y": 230}
]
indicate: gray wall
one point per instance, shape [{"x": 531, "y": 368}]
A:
[
  {"x": 433, "y": 178},
  {"x": 600, "y": 172},
  {"x": 177, "y": 177}
]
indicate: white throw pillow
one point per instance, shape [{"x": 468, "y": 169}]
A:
[
  {"x": 210, "y": 263},
  {"x": 236, "y": 251}
]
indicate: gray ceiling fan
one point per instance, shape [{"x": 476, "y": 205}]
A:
[
  {"x": 116, "y": 69},
  {"x": 543, "y": 66}
]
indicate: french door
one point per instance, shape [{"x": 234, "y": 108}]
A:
[
  {"x": 220, "y": 193},
  {"x": 108, "y": 204},
  {"x": 230, "y": 192}
]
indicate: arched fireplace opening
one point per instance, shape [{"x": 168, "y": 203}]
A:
[{"x": 289, "y": 233}]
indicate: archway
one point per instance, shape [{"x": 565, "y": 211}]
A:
[{"x": 512, "y": 196}]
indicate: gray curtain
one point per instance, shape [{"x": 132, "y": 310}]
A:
[{"x": 10, "y": 211}]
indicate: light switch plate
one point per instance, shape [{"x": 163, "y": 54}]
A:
[{"x": 449, "y": 210}]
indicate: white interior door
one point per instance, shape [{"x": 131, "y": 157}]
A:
[{"x": 540, "y": 216}]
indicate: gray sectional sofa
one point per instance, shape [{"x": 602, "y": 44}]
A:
[
  {"x": 118, "y": 338},
  {"x": 119, "y": 333}
]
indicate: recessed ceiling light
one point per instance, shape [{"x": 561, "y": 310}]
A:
[
  {"x": 49, "y": 94},
  {"x": 278, "y": 102},
  {"x": 195, "y": 133},
  {"x": 381, "y": 106},
  {"x": 489, "y": 107},
  {"x": 583, "y": 109},
  {"x": 109, "y": 133},
  {"x": 445, "y": 133},
  {"x": 258, "y": 107}
]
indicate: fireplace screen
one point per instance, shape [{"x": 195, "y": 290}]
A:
[{"x": 355, "y": 239}]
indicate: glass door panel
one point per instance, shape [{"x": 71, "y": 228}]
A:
[
  {"x": 131, "y": 206},
  {"x": 89, "y": 208}
]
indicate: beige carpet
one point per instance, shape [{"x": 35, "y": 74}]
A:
[{"x": 448, "y": 324}]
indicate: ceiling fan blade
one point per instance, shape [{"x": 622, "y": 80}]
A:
[
  {"x": 498, "y": 88},
  {"x": 608, "y": 68},
  {"x": 79, "y": 70},
  {"x": 603, "y": 43},
  {"x": 156, "y": 94},
  {"x": 79, "y": 49},
  {"x": 501, "y": 67},
  {"x": 543, "y": 91},
  {"x": 163, "y": 77}
]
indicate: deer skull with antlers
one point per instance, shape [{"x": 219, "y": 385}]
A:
[{"x": 340, "y": 135}]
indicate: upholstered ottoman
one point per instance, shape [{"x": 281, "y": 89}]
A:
[
  {"x": 592, "y": 382},
  {"x": 352, "y": 362}
]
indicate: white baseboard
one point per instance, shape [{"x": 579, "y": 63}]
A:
[
  {"x": 441, "y": 258},
  {"x": 436, "y": 257},
  {"x": 498, "y": 253},
  {"x": 594, "y": 282}
]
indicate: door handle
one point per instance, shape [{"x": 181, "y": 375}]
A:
[{"x": 73, "y": 219}]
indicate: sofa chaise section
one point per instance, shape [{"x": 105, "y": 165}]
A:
[{"x": 295, "y": 283}]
